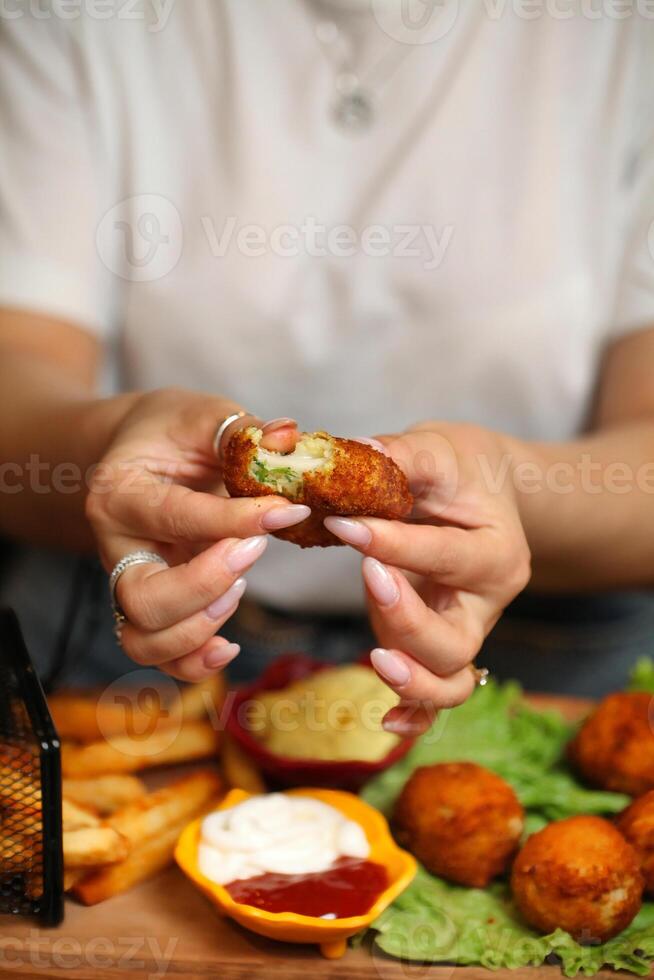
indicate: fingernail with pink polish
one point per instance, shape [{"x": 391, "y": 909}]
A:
[
  {"x": 380, "y": 582},
  {"x": 285, "y": 516},
  {"x": 277, "y": 424},
  {"x": 398, "y": 727},
  {"x": 349, "y": 530},
  {"x": 224, "y": 603},
  {"x": 375, "y": 443},
  {"x": 391, "y": 667},
  {"x": 242, "y": 554},
  {"x": 221, "y": 655}
]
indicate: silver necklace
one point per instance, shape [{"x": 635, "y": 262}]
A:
[{"x": 354, "y": 106}]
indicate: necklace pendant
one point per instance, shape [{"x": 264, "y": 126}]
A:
[{"x": 353, "y": 111}]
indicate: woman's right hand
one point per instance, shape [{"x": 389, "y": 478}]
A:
[{"x": 159, "y": 488}]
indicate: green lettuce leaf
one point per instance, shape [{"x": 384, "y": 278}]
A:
[
  {"x": 556, "y": 794},
  {"x": 435, "y": 921},
  {"x": 497, "y": 729},
  {"x": 641, "y": 677}
]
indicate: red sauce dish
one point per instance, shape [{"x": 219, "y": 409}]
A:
[
  {"x": 284, "y": 771},
  {"x": 389, "y": 862}
]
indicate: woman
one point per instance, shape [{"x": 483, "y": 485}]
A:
[{"x": 361, "y": 218}]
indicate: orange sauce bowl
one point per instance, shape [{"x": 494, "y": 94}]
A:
[{"x": 331, "y": 935}]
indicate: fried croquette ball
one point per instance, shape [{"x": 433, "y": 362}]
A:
[
  {"x": 614, "y": 748},
  {"x": 460, "y": 820},
  {"x": 636, "y": 824},
  {"x": 330, "y": 475},
  {"x": 580, "y": 875}
]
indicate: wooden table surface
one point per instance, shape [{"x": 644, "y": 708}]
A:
[{"x": 165, "y": 928}]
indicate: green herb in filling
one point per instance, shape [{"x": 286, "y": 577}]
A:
[
  {"x": 264, "y": 474},
  {"x": 284, "y": 479}
]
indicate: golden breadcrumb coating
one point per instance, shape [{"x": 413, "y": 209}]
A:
[
  {"x": 614, "y": 748},
  {"x": 636, "y": 824},
  {"x": 580, "y": 875},
  {"x": 460, "y": 820},
  {"x": 351, "y": 478}
]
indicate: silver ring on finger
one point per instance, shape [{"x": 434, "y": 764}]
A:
[
  {"x": 480, "y": 674},
  {"x": 222, "y": 426},
  {"x": 134, "y": 558}
]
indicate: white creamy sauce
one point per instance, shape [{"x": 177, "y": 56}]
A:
[{"x": 279, "y": 834}]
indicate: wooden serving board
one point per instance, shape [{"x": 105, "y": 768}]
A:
[{"x": 165, "y": 928}]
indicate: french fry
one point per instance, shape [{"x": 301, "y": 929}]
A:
[
  {"x": 154, "y": 813},
  {"x": 104, "y": 793},
  {"x": 239, "y": 770},
  {"x": 203, "y": 700},
  {"x": 17, "y": 816},
  {"x": 72, "y": 876},
  {"x": 146, "y": 860},
  {"x": 75, "y": 817},
  {"x": 86, "y": 717},
  {"x": 15, "y": 854},
  {"x": 80, "y": 717},
  {"x": 18, "y": 789},
  {"x": 194, "y": 740},
  {"x": 93, "y": 845}
]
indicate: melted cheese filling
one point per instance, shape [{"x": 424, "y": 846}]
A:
[
  {"x": 297, "y": 461},
  {"x": 285, "y": 471}
]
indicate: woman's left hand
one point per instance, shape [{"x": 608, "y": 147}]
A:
[{"x": 438, "y": 584}]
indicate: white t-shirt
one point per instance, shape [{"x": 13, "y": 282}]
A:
[{"x": 171, "y": 178}]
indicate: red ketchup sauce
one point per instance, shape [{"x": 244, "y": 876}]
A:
[{"x": 349, "y": 887}]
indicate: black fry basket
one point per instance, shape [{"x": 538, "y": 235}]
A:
[{"x": 31, "y": 859}]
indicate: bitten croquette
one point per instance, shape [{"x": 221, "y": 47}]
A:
[
  {"x": 580, "y": 875},
  {"x": 330, "y": 475},
  {"x": 614, "y": 748},
  {"x": 460, "y": 820}
]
